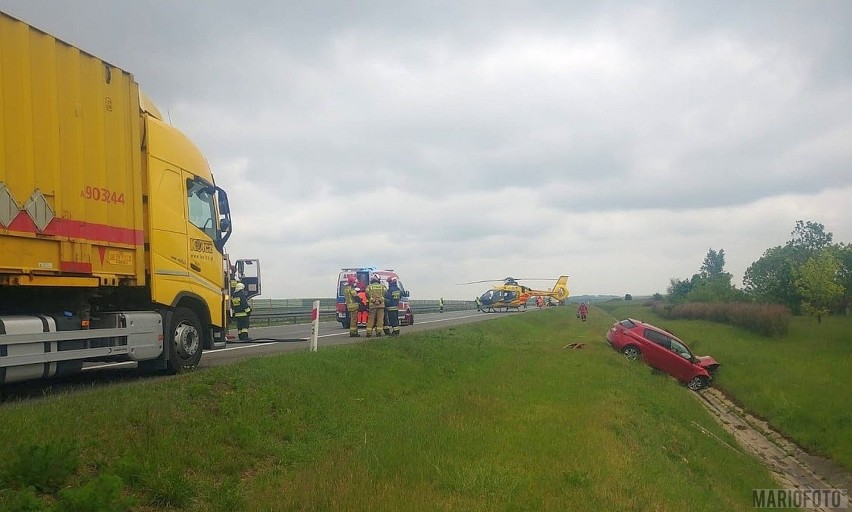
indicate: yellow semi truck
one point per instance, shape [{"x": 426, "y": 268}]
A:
[{"x": 112, "y": 229}]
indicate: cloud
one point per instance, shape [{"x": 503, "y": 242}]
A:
[{"x": 459, "y": 141}]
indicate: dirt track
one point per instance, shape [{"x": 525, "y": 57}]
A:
[{"x": 791, "y": 466}]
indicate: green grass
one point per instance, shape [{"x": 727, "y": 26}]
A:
[
  {"x": 800, "y": 383},
  {"x": 489, "y": 416}
]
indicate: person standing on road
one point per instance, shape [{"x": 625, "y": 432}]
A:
[
  {"x": 441, "y": 304},
  {"x": 242, "y": 310},
  {"x": 582, "y": 311},
  {"x": 363, "y": 307},
  {"x": 478, "y": 302},
  {"x": 376, "y": 299},
  {"x": 392, "y": 297},
  {"x": 350, "y": 296}
]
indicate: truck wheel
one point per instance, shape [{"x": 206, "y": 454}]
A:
[{"x": 184, "y": 340}]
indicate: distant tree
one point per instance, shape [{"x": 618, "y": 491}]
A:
[
  {"x": 816, "y": 281},
  {"x": 710, "y": 284},
  {"x": 843, "y": 253},
  {"x": 714, "y": 264},
  {"x": 715, "y": 290},
  {"x": 627, "y": 296},
  {"x": 808, "y": 239},
  {"x": 678, "y": 289},
  {"x": 657, "y": 296},
  {"x": 772, "y": 278}
]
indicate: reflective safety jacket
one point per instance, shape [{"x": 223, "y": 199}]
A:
[
  {"x": 376, "y": 295},
  {"x": 350, "y": 295},
  {"x": 392, "y": 297},
  {"x": 240, "y": 303}
]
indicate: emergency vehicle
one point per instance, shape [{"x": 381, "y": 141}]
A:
[{"x": 362, "y": 276}]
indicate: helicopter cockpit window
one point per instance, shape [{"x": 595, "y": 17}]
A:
[
  {"x": 509, "y": 296},
  {"x": 487, "y": 296}
]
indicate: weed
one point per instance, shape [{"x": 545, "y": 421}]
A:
[
  {"x": 101, "y": 494},
  {"x": 45, "y": 467}
]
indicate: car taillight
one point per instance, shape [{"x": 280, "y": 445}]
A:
[{"x": 341, "y": 308}]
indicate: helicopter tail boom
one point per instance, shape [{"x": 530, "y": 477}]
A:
[{"x": 559, "y": 291}]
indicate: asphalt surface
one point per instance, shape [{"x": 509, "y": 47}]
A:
[{"x": 267, "y": 341}]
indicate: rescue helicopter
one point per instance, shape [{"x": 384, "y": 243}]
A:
[{"x": 513, "y": 295}]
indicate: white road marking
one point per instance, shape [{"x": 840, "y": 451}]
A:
[{"x": 263, "y": 344}]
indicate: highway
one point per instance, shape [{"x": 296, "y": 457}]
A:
[
  {"x": 287, "y": 338},
  {"x": 267, "y": 341}
]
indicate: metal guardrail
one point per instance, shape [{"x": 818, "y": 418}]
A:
[{"x": 295, "y": 311}]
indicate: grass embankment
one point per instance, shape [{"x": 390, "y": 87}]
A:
[
  {"x": 490, "y": 416},
  {"x": 799, "y": 382}
]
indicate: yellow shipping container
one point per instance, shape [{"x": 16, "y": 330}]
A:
[{"x": 71, "y": 193}]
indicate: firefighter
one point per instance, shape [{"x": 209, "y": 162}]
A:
[
  {"x": 350, "y": 295},
  {"x": 478, "y": 302},
  {"x": 376, "y": 297},
  {"x": 392, "y": 297},
  {"x": 441, "y": 304},
  {"x": 242, "y": 310}
]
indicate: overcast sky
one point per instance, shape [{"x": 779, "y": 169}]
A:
[{"x": 615, "y": 142}]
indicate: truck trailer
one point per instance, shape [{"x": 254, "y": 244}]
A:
[{"x": 112, "y": 228}]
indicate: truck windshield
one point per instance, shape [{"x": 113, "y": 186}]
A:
[{"x": 201, "y": 207}]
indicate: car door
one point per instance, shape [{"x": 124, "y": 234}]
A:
[
  {"x": 656, "y": 350},
  {"x": 680, "y": 361}
]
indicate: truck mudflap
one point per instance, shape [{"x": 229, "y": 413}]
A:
[{"x": 32, "y": 347}]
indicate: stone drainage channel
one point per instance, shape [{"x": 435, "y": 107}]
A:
[{"x": 791, "y": 467}]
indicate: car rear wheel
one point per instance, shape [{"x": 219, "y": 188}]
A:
[
  {"x": 697, "y": 382},
  {"x": 631, "y": 353}
]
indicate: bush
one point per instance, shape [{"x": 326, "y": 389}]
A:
[
  {"x": 767, "y": 319},
  {"x": 22, "y": 500},
  {"x": 45, "y": 467},
  {"x": 101, "y": 494}
]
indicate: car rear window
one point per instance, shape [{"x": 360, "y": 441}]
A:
[{"x": 627, "y": 324}]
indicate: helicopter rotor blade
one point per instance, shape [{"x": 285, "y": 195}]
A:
[{"x": 503, "y": 280}]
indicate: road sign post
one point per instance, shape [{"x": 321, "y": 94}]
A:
[{"x": 314, "y": 325}]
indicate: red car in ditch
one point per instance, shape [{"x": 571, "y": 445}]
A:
[{"x": 663, "y": 351}]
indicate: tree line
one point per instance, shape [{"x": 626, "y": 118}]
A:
[{"x": 809, "y": 274}]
